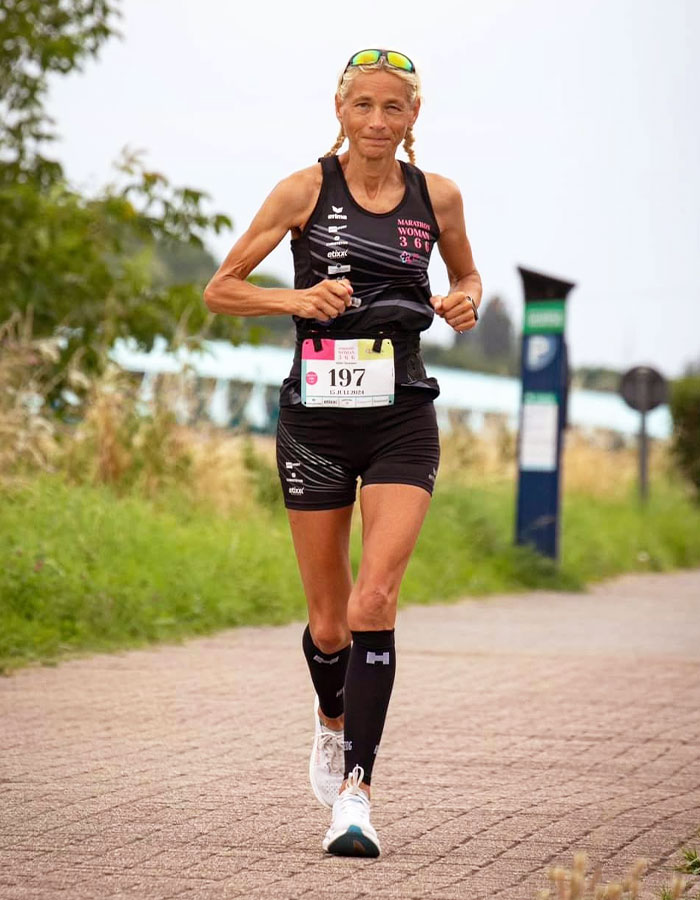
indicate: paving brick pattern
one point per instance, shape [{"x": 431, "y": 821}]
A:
[{"x": 521, "y": 729}]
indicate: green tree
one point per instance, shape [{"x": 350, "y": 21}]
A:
[
  {"x": 86, "y": 267},
  {"x": 494, "y": 333},
  {"x": 490, "y": 347},
  {"x": 685, "y": 411},
  {"x": 39, "y": 37},
  {"x": 596, "y": 378}
]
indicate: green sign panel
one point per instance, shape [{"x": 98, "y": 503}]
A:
[
  {"x": 542, "y": 397},
  {"x": 544, "y": 317}
]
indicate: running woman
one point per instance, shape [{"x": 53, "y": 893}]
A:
[{"x": 357, "y": 402}]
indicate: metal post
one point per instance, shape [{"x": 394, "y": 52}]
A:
[
  {"x": 643, "y": 460},
  {"x": 643, "y": 388}
]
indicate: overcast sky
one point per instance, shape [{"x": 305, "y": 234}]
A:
[{"x": 572, "y": 130}]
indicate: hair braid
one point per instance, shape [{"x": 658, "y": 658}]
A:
[
  {"x": 408, "y": 145},
  {"x": 338, "y": 143}
]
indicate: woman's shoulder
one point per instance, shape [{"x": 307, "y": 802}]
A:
[
  {"x": 294, "y": 197},
  {"x": 444, "y": 193},
  {"x": 306, "y": 180}
]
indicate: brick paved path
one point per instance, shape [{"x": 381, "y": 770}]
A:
[{"x": 521, "y": 729}]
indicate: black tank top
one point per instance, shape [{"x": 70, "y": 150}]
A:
[{"x": 385, "y": 257}]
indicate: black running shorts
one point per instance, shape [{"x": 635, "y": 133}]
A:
[{"x": 321, "y": 452}]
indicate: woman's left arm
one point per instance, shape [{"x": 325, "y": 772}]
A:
[{"x": 456, "y": 251}]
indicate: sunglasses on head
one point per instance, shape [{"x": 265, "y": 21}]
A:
[{"x": 370, "y": 57}]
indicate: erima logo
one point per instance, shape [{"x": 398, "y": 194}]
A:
[
  {"x": 327, "y": 662},
  {"x": 340, "y": 692},
  {"x": 373, "y": 657},
  {"x": 296, "y": 490},
  {"x": 333, "y": 229},
  {"x": 336, "y": 209},
  {"x": 337, "y": 213}
]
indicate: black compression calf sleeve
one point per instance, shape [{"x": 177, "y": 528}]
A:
[
  {"x": 328, "y": 675},
  {"x": 368, "y": 685}
]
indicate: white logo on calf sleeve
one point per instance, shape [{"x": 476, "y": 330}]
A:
[
  {"x": 373, "y": 657},
  {"x": 328, "y": 662}
]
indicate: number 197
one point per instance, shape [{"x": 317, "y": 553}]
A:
[{"x": 344, "y": 377}]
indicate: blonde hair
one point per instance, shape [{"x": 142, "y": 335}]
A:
[{"x": 412, "y": 81}]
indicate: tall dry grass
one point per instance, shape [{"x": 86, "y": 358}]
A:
[
  {"x": 116, "y": 437},
  {"x": 28, "y": 435},
  {"x": 597, "y": 464},
  {"x": 123, "y": 441},
  {"x": 577, "y": 883}
]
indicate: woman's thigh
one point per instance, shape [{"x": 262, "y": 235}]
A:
[
  {"x": 392, "y": 516},
  {"x": 322, "y": 545}
]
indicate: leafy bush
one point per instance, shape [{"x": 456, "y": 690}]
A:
[{"x": 685, "y": 409}]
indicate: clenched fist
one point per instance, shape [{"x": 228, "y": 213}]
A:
[
  {"x": 325, "y": 300},
  {"x": 456, "y": 309}
]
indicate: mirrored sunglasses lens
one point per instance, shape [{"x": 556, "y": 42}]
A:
[
  {"x": 399, "y": 61},
  {"x": 365, "y": 58}
]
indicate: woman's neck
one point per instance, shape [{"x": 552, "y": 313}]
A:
[{"x": 371, "y": 177}]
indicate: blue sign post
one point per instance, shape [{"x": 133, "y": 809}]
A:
[{"x": 542, "y": 411}]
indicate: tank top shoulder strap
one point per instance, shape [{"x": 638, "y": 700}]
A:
[
  {"x": 415, "y": 178},
  {"x": 329, "y": 167}
]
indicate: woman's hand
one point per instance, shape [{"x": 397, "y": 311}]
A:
[
  {"x": 456, "y": 309},
  {"x": 325, "y": 300}
]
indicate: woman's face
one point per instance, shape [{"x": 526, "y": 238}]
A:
[{"x": 376, "y": 113}]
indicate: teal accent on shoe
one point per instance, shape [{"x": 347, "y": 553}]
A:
[{"x": 353, "y": 843}]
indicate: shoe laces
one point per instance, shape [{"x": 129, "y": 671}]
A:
[
  {"x": 353, "y": 794},
  {"x": 330, "y": 744}
]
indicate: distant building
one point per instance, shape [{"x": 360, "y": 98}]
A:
[{"x": 238, "y": 385}]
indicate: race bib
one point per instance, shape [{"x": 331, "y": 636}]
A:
[{"x": 348, "y": 373}]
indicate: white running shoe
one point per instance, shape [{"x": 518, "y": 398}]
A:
[
  {"x": 327, "y": 763},
  {"x": 351, "y": 833}
]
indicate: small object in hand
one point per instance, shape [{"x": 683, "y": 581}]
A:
[{"x": 474, "y": 307}]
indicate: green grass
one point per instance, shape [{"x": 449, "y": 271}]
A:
[
  {"x": 82, "y": 569},
  {"x": 691, "y": 862}
]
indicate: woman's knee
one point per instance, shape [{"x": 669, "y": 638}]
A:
[
  {"x": 372, "y": 608},
  {"x": 329, "y": 636}
]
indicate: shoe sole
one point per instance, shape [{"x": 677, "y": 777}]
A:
[
  {"x": 353, "y": 842},
  {"x": 317, "y": 793}
]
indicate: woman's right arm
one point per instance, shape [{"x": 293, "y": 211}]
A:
[{"x": 287, "y": 207}]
